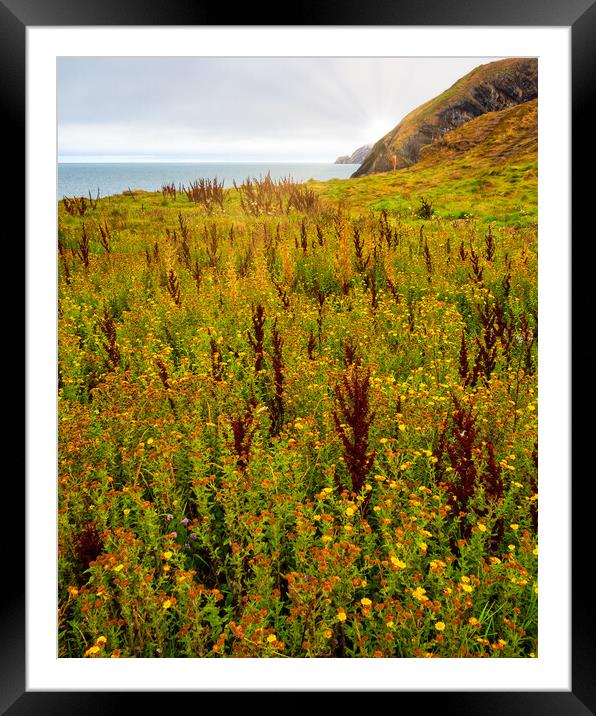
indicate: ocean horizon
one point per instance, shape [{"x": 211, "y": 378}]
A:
[{"x": 80, "y": 178}]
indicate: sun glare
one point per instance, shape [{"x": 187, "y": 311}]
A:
[{"x": 378, "y": 128}]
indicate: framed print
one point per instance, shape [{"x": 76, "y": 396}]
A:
[{"x": 301, "y": 363}]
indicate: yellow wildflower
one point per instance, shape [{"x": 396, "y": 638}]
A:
[
  {"x": 396, "y": 562},
  {"x": 419, "y": 593},
  {"x": 440, "y": 626},
  {"x": 436, "y": 565}
]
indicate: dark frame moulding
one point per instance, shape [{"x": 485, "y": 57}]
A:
[{"x": 580, "y": 17}]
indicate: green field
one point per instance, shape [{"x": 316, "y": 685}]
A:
[{"x": 301, "y": 420}]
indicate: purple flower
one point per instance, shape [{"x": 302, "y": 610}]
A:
[
  {"x": 192, "y": 536},
  {"x": 185, "y": 521},
  {"x": 187, "y": 545}
]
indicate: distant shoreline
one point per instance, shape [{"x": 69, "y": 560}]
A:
[
  {"x": 188, "y": 161},
  {"x": 78, "y": 178}
]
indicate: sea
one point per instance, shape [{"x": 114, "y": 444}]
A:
[{"x": 78, "y": 179}]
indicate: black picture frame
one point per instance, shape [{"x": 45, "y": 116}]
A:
[{"x": 580, "y": 17}]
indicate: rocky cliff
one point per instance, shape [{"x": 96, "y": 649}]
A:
[
  {"x": 488, "y": 88},
  {"x": 357, "y": 157}
]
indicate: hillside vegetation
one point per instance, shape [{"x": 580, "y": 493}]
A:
[
  {"x": 486, "y": 170},
  {"x": 510, "y": 135},
  {"x": 488, "y": 88}
]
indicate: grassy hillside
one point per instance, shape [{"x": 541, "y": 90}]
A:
[
  {"x": 300, "y": 421},
  {"x": 510, "y": 135},
  {"x": 488, "y": 88},
  {"x": 486, "y": 170}
]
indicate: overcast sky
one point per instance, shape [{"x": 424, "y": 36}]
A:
[{"x": 239, "y": 109}]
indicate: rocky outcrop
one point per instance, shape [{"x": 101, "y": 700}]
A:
[
  {"x": 488, "y": 88},
  {"x": 357, "y": 157},
  {"x": 510, "y": 135}
]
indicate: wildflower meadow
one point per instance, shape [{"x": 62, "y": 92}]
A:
[{"x": 298, "y": 420}]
